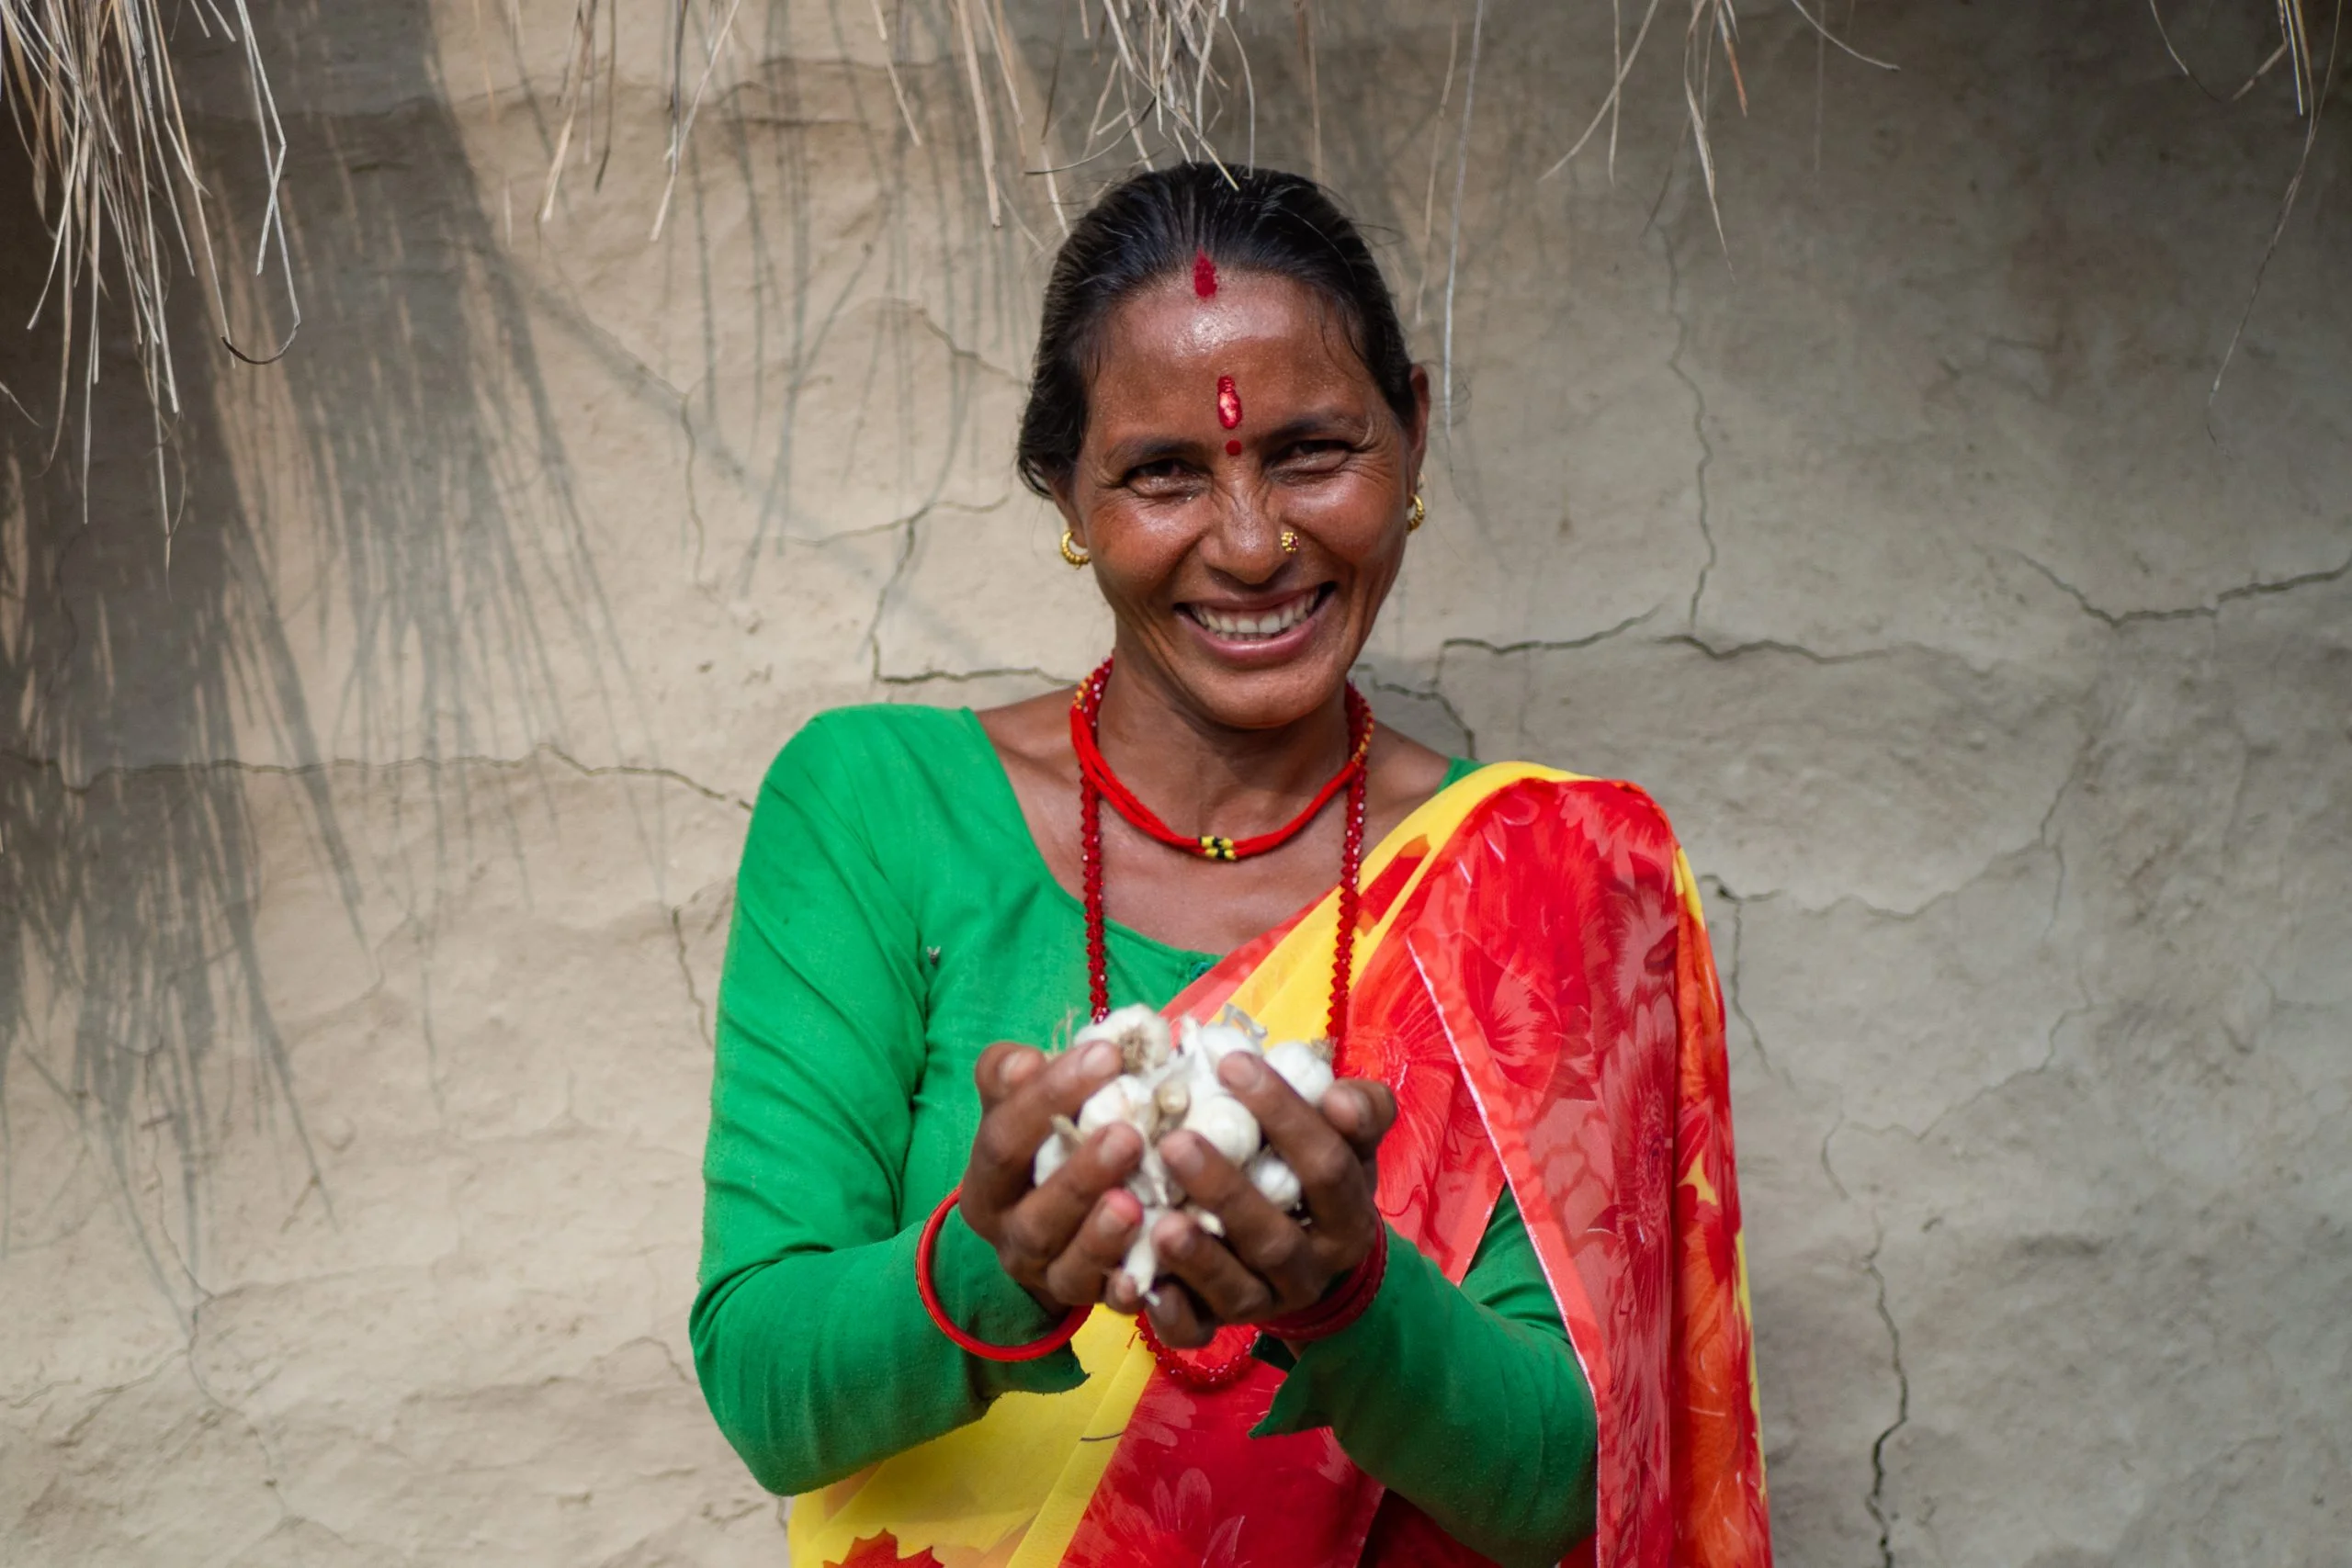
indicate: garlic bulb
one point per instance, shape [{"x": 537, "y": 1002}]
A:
[
  {"x": 1052, "y": 1154},
  {"x": 1212, "y": 1043},
  {"x": 1225, "y": 1125},
  {"x": 1275, "y": 1181},
  {"x": 1306, "y": 1070},
  {"x": 1124, "y": 1099},
  {"x": 1055, "y": 1152},
  {"x": 1169, "y": 1082},
  {"x": 1140, "y": 1034}
]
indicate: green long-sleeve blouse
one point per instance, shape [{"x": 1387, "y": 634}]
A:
[{"x": 893, "y": 917}]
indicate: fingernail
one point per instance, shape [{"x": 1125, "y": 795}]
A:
[
  {"x": 1109, "y": 1221},
  {"x": 1183, "y": 1152},
  {"x": 1101, "y": 1057},
  {"x": 1240, "y": 1071}
]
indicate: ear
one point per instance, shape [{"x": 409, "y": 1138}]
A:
[
  {"x": 1067, "y": 507},
  {"x": 1416, "y": 435}
]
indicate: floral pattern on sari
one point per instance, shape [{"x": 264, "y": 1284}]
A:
[{"x": 1546, "y": 1010}]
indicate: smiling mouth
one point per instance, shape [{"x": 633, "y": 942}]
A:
[{"x": 1259, "y": 625}]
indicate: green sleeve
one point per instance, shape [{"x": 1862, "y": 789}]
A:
[
  {"x": 811, "y": 1343},
  {"x": 1467, "y": 1401}
]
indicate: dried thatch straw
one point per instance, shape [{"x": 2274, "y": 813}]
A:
[
  {"x": 90, "y": 88},
  {"x": 89, "y": 85}
]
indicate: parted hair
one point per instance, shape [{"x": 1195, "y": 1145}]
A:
[{"x": 1151, "y": 227}]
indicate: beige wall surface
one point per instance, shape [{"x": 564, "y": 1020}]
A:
[{"x": 365, "y": 857}]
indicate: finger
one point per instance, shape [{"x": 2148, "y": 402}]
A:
[
  {"x": 1177, "y": 1318},
  {"x": 1360, "y": 1111},
  {"x": 1010, "y": 1129},
  {"x": 1003, "y": 1068},
  {"x": 1100, "y": 1246},
  {"x": 1265, "y": 1242},
  {"x": 1331, "y": 1172},
  {"x": 1231, "y": 1292},
  {"x": 1039, "y": 1227}
]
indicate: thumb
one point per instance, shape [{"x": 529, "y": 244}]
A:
[{"x": 1361, "y": 1112}]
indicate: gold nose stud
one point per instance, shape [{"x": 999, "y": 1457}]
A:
[{"x": 1290, "y": 541}]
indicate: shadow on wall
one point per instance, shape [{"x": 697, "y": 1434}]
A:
[
  {"x": 393, "y": 499},
  {"x": 142, "y": 671}
]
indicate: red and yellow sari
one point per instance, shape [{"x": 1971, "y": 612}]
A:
[{"x": 1536, "y": 987}]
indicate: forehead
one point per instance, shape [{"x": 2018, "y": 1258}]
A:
[{"x": 1165, "y": 343}]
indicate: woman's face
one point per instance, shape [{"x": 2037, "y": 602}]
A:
[{"x": 1216, "y": 419}]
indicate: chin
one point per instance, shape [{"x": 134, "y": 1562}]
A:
[{"x": 1267, "y": 695}]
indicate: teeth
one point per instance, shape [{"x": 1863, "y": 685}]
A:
[{"x": 1274, "y": 623}]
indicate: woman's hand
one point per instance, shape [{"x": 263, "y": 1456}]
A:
[
  {"x": 1269, "y": 1264},
  {"x": 1060, "y": 1239}
]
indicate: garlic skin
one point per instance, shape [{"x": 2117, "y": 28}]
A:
[
  {"x": 1275, "y": 1181},
  {"x": 1154, "y": 1185},
  {"x": 1142, "y": 1265},
  {"x": 1307, "y": 1071},
  {"x": 1206, "y": 1219}
]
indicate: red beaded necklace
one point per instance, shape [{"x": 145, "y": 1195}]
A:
[{"x": 1228, "y": 1353}]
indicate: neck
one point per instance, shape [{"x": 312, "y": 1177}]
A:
[{"x": 1201, "y": 775}]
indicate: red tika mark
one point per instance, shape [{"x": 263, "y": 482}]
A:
[
  {"x": 1233, "y": 448},
  {"x": 1204, "y": 276},
  {"x": 1229, "y": 402},
  {"x": 882, "y": 1551}
]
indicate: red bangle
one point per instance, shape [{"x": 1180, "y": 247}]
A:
[
  {"x": 1341, "y": 1307},
  {"x": 981, "y": 1348}
]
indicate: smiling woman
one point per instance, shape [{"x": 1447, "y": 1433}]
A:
[{"x": 1505, "y": 1320}]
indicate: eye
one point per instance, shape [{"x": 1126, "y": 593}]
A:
[
  {"x": 1314, "y": 454},
  {"x": 1163, "y": 476}
]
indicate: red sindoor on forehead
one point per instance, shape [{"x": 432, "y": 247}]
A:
[
  {"x": 1229, "y": 402},
  {"x": 1204, "y": 276}
]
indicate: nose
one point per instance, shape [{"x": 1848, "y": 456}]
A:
[{"x": 1245, "y": 541}]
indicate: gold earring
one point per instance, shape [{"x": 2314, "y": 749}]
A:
[
  {"x": 1290, "y": 541},
  {"x": 1419, "y": 516},
  {"x": 1072, "y": 553}
]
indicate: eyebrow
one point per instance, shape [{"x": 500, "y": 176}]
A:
[
  {"x": 1316, "y": 423},
  {"x": 1148, "y": 449}
]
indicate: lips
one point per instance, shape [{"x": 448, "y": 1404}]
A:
[{"x": 1257, "y": 626}]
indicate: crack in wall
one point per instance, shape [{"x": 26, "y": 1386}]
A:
[
  {"x": 686, "y": 973},
  {"x": 429, "y": 762},
  {"x": 1738, "y": 1008},
  {"x": 1429, "y": 693},
  {"x": 1697, "y": 414},
  {"x": 992, "y": 673},
  {"x": 1876, "y": 1500},
  {"x": 2115, "y": 620}
]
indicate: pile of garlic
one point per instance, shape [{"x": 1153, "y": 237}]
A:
[{"x": 1168, "y": 1083}]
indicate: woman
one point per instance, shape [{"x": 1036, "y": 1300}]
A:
[{"x": 1511, "y": 1325}]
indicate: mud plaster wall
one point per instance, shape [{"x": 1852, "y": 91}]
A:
[{"x": 366, "y": 869}]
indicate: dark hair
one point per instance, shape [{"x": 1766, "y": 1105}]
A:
[{"x": 1153, "y": 226}]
